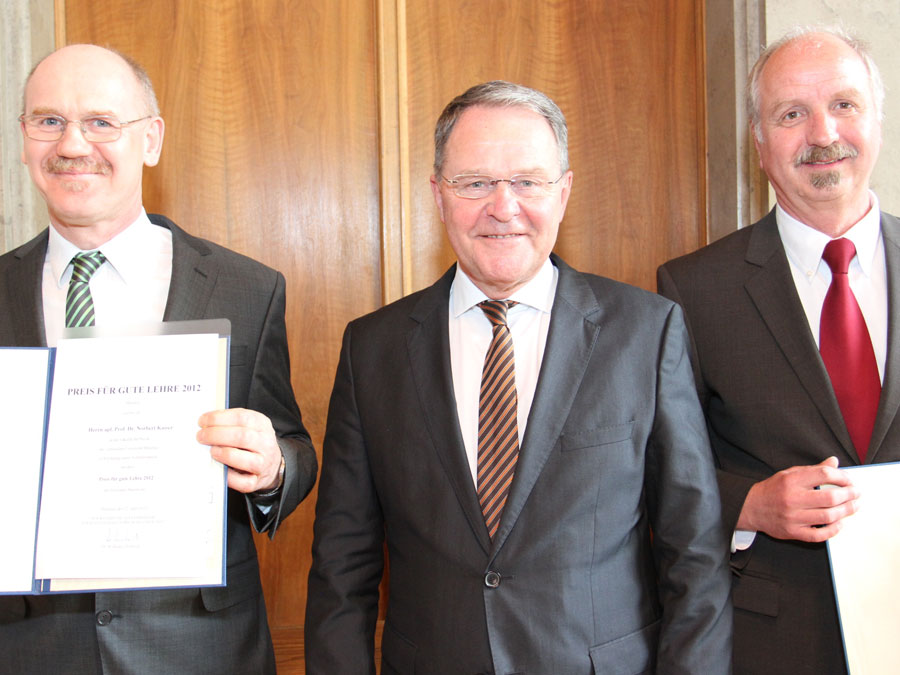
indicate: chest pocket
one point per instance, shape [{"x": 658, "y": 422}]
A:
[
  {"x": 238, "y": 355},
  {"x": 594, "y": 438}
]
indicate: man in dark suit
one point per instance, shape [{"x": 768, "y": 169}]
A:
[
  {"x": 90, "y": 124},
  {"x": 517, "y": 510},
  {"x": 759, "y": 305}
]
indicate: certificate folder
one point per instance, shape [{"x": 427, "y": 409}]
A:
[
  {"x": 112, "y": 489},
  {"x": 865, "y": 568}
]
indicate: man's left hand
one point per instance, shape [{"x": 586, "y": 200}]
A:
[{"x": 245, "y": 442}]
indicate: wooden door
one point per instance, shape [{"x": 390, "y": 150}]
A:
[{"x": 299, "y": 132}]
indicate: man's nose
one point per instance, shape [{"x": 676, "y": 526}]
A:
[
  {"x": 822, "y": 129},
  {"x": 504, "y": 203},
  {"x": 73, "y": 143}
]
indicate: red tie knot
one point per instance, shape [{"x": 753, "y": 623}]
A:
[{"x": 838, "y": 254}]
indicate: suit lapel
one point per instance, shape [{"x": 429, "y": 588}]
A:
[
  {"x": 575, "y": 322},
  {"x": 26, "y": 304},
  {"x": 890, "y": 390},
  {"x": 774, "y": 294},
  {"x": 193, "y": 274},
  {"x": 428, "y": 345}
]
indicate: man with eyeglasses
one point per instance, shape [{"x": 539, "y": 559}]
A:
[
  {"x": 514, "y": 434},
  {"x": 90, "y": 124}
]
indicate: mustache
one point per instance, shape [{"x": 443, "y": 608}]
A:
[
  {"x": 77, "y": 164},
  {"x": 831, "y": 153}
]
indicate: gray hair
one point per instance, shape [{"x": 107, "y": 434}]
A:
[
  {"x": 500, "y": 94},
  {"x": 143, "y": 79},
  {"x": 802, "y": 32}
]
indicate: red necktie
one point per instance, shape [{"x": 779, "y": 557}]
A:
[
  {"x": 846, "y": 349},
  {"x": 498, "y": 427}
]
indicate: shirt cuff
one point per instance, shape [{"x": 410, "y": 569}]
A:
[{"x": 741, "y": 540}]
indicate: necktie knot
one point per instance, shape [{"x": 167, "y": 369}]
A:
[
  {"x": 837, "y": 255},
  {"x": 495, "y": 310},
  {"x": 85, "y": 264}
]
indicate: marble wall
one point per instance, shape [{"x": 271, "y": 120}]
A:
[{"x": 26, "y": 35}]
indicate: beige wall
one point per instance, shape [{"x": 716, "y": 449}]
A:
[{"x": 877, "y": 22}]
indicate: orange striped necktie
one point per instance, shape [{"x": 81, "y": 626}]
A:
[{"x": 498, "y": 429}]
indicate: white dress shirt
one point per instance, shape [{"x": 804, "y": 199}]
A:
[
  {"x": 131, "y": 287},
  {"x": 812, "y": 277},
  {"x": 867, "y": 273},
  {"x": 471, "y": 333}
]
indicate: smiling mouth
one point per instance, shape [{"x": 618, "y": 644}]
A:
[
  {"x": 501, "y": 236},
  {"x": 828, "y": 156}
]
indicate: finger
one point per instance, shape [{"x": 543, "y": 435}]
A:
[
  {"x": 235, "y": 437},
  {"x": 235, "y": 417},
  {"x": 833, "y": 475},
  {"x": 238, "y": 459},
  {"x": 242, "y": 482},
  {"x": 822, "y": 517},
  {"x": 817, "y": 534},
  {"x": 828, "y": 497},
  {"x": 814, "y": 475}
]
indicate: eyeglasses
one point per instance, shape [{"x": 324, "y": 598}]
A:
[
  {"x": 96, "y": 128},
  {"x": 523, "y": 185}
]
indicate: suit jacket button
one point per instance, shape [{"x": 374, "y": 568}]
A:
[
  {"x": 104, "y": 617},
  {"x": 492, "y": 579}
]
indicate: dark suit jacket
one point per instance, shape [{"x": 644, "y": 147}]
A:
[
  {"x": 615, "y": 444},
  {"x": 770, "y": 405},
  {"x": 207, "y": 630}
]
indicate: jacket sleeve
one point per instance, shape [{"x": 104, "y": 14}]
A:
[
  {"x": 683, "y": 501},
  {"x": 271, "y": 394},
  {"x": 348, "y": 557}
]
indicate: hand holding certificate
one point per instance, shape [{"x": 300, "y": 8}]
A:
[{"x": 129, "y": 498}]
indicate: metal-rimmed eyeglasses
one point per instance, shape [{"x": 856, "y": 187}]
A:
[
  {"x": 471, "y": 186},
  {"x": 95, "y": 128}
]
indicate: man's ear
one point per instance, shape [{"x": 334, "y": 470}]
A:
[
  {"x": 756, "y": 142},
  {"x": 153, "y": 141},
  {"x": 438, "y": 196}
]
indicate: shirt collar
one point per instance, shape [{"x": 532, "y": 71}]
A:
[
  {"x": 125, "y": 251},
  {"x": 538, "y": 293},
  {"x": 804, "y": 244}
]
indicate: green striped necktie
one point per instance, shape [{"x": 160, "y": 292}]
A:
[{"x": 79, "y": 304}]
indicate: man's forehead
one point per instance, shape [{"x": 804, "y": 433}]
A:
[
  {"x": 482, "y": 116},
  {"x": 815, "y": 62},
  {"x": 85, "y": 75},
  {"x": 502, "y": 129}
]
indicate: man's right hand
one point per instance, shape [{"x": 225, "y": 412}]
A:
[{"x": 789, "y": 506}]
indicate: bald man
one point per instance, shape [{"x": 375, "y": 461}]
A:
[{"x": 90, "y": 125}]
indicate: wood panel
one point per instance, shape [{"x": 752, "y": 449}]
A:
[
  {"x": 627, "y": 75},
  {"x": 299, "y": 132}
]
